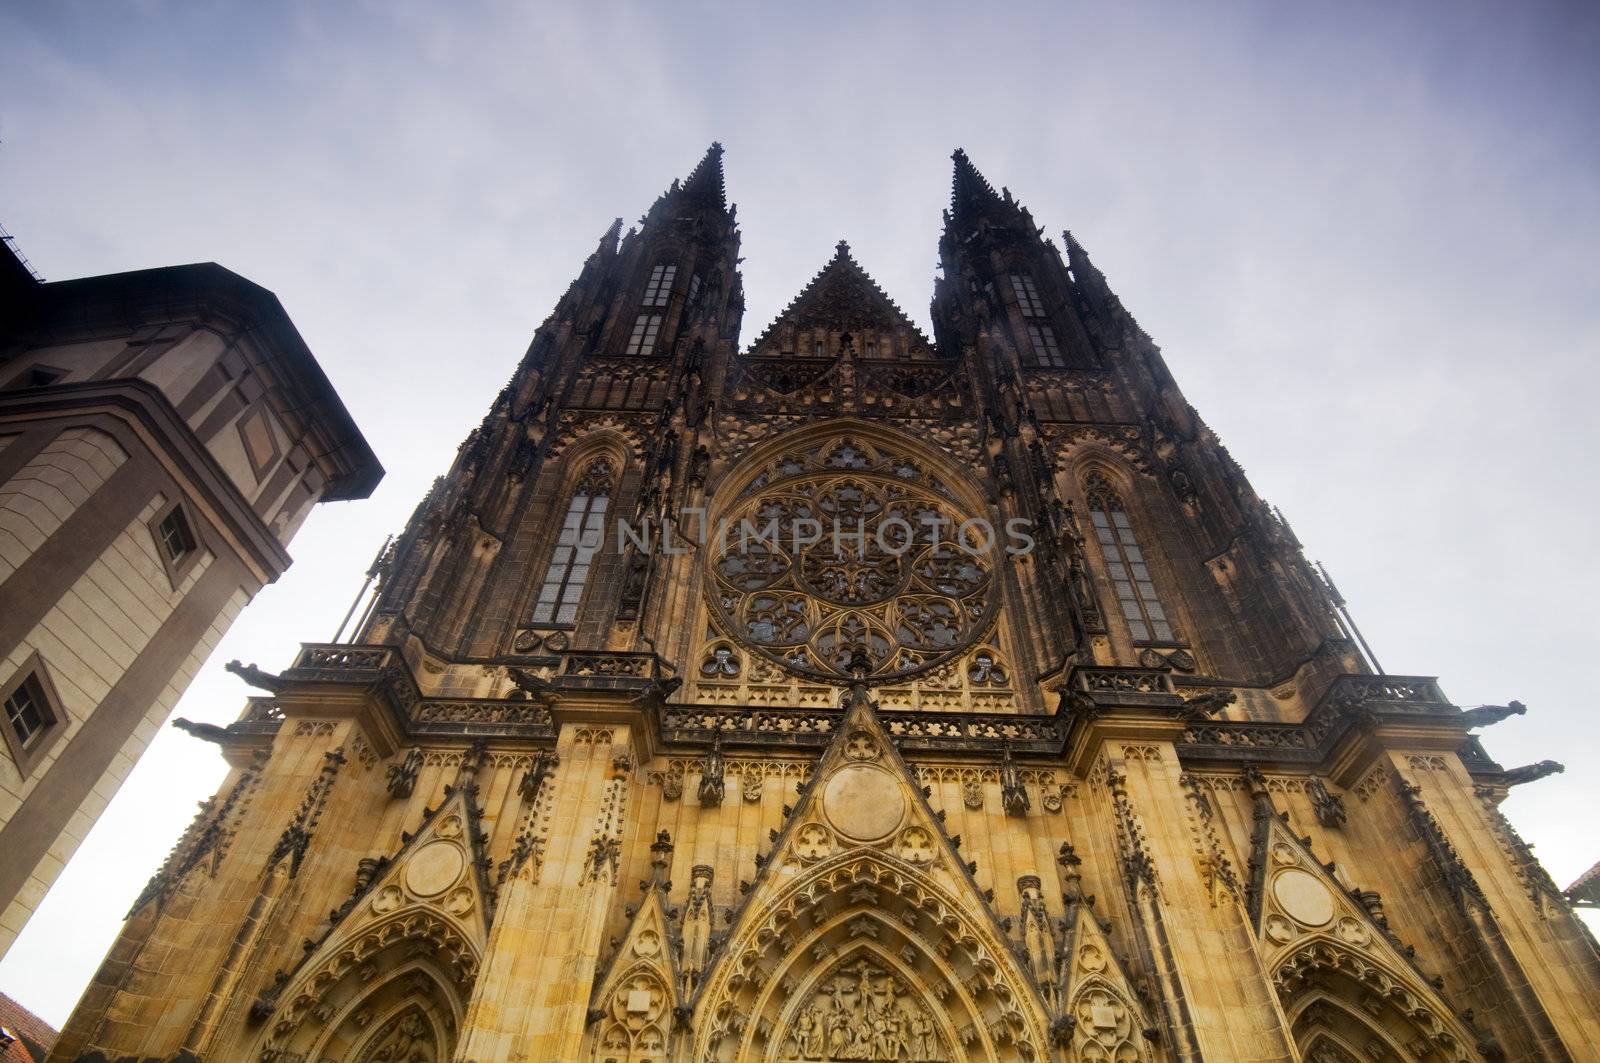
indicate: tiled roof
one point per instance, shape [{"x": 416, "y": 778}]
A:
[
  {"x": 33, "y": 1035},
  {"x": 1587, "y": 886}
]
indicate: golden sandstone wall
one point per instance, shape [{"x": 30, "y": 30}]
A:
[{"x": 1199, "y": 950}]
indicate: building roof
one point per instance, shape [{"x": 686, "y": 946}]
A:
[
  {"x": 842, "y": 294},
  {"x": 206, "y": 287},
  {"x": 33, "y": 1036},
  {"x": 1586, "y": 887}
]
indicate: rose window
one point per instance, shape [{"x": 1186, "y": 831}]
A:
[{"x": 840, "y": 553}]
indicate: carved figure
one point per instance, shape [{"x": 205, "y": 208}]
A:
[{"x": 712, "y": 783}]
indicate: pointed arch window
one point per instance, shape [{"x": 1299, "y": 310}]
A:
[
  {"x": 659, "y": 288},
  {"x": 1125, "y": 563},
  {"x": 582, "y": 536}
]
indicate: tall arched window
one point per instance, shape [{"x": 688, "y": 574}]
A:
[
  {"x": 582, "y": 536},
  {"x": 1125, "y": 563}
]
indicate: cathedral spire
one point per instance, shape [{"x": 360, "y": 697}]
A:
[
  {"x": 1092, "y": 282},
  {"x": 970, "y": 192},
  {"x": 702, "y": 190},
  {"x": 704, "y": 184}
]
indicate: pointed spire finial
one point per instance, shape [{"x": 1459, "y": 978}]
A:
[
  {"x": 841, "y": 249},
  {"x": 704, "y": 183},
  {"x": 969, "y": 191},
  {"x": 609, "y": 238}
]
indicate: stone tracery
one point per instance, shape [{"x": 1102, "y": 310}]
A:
[{"x": 845, "y": 547}]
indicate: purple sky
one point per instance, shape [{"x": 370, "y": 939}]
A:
[{"x": 1365, "y": 235}]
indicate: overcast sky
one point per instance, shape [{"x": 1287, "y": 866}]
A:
[{"x": 1365, "y": 236}]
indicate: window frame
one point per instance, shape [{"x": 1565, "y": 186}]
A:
[
  {"x": 597, "y": 484},
  {"x": 1045, "y": 346},
  {"x": 177, "y": 568},
  {"x": 646, "y": 325},
  {"x": 27, "y": 755},
  {"x": 259, "y": 413},
  {"x": 659, "y": 284},
  {"x": 1123, "y": 535},
  {"x": 1027, "y": 295}
]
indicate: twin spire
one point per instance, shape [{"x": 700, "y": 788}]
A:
[{"x": 970, "y": 192}]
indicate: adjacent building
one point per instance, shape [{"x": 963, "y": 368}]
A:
[
  {"x": 163, "y": 434},
  {"x": 878, "y": 780}
]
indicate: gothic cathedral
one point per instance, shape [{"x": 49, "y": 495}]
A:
[{"x": 856, "y": 694}]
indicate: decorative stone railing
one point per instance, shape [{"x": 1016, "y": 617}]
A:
[
  {"x": 1121, "y": 681},
  {"x": 1349, "y": 701}
]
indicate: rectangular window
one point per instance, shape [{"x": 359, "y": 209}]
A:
[
  {"x": 32, "y": 714},
  {"x": 659, "y": 289},
  {"x": 1027, "y": 295},
  {"x": 176, "y": 538},
  {"x": 1046, "y": 352},
  {"x": 646, "y": 330},
  {"x": 1130, "y": 575},
  {"x": 582, "y": 535},
  {"x": 176, "y": 542},
  {"x": 694, "y": 290}
]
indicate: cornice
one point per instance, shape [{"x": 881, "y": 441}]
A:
[
  {"x": 1357, "y": 712},
  {"x": 146, "y": 409}
]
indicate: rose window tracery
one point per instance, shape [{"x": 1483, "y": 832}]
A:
[{"x": 845, "y": 551}]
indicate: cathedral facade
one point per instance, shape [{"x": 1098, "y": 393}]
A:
[{"x": 855, "y": 694}]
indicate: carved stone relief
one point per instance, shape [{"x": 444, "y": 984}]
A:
[{"x": 861, "y": 1012}]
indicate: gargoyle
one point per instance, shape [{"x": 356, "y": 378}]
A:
[
  {"x": 1077, "y": 703},
  {"x": 208, "y": 731},
  {"x": 531, "y": 684},
  {"x": 1484, "y": 715},
  {"x": 255, "y": 676},
  {"x": 1204, "y": 706},
  {"x": 1533, "y": 772},
  {"x": 660, "y": 689}
]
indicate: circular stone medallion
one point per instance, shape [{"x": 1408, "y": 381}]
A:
[
  {"x": 433, "y": 869},
  {"x": 1303, "y": 897},
  {"x": 864, "y": 803}
]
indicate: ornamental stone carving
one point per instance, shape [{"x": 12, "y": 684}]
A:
[
  {"x": 903, "y": 582},
  {"x": 863, "y": 1013}
]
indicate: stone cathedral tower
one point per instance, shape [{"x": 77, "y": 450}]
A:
[{"x": 1061, "y": 751}]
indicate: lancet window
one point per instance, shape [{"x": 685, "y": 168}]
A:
[
  {"x": 582, "y": 536},
  {"x": 1126, "y": 564}
]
